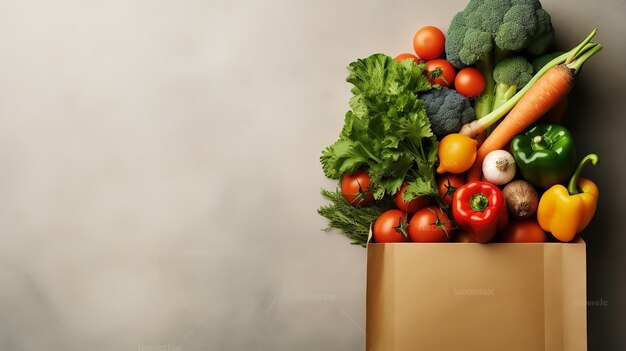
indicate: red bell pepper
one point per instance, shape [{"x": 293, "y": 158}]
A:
[{"x": 480, "y": 209}]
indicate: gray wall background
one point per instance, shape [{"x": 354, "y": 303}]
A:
[{"x": 159, "y": 176}]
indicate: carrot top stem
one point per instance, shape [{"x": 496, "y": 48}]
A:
[
  {"x": 577, "y": 64},
  {"x": 580, "y": 47}
]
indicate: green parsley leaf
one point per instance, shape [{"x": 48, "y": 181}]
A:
[{"x": 386, "y": 130}]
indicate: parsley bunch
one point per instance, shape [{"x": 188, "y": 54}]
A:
[{"x": 386, "y": 131}]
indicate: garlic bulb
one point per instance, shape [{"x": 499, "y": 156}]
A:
[{"x": 499, "y": 167}]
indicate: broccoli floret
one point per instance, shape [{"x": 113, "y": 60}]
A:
[
  {"x": 541, "y": 61},
  {"x": 454, "y": 40},
  {"x": 543, "y": 36},
  {"x": 447, "y": 111},
  {"x": 507, "y": 25},
  {"x": 487, "y": 31},
  {"x": 510, "y": 75}
]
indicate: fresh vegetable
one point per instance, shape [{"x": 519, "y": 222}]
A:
[
  {"x": 386, "y": 130},
  {"x": 406, "y": 122},
  {"x": 479, "y": 208},
  {"x": 355, "y": 188},
  {"x": 390, "y": 227},
  {"x": 510, "y": 75},
  {"x": 405, "y": 56},
  {"x": 412, "y": 206},
  {"x": 447, "y": 111},
  {"x": 430, "y": 225},
  {"x": 456, "y": 153},
  {"x": 469, "y": 82},
  {"x": 463, "y": 237},
  {"x": 567, "y": 211},
  {"x": 521, "y": 199},
  {"x": 354, "y": 222},
  {"x": 544, "y": 93},
  {"x": 545, "y": 154},
  {"x": 499, "y": 167},
  {"x": 429, "y": 42},
  {"x": 486, "y": 31},
  {"x": 555, "y": 115},
  {"x": 447, "y": 184},
  {"x": 440, "y": 71},
  {"x": 526, "y": 231}
]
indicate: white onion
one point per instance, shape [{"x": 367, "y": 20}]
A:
[{"x": 499, "y": 167}]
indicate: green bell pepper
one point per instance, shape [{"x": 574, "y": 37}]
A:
[{"x": 545, "y": 154}]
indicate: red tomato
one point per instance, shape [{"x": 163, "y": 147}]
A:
[
  {"x": 389, "y": 227},
  {"x": 447, "y": 184},
  {"x": 464, "y": 237},
  {"x": 412, "y": 206},
  {"x": 429, "y": 42},
  {"x": 430, "y": 225},
  {"x": 440, "y": 71},
  {"x": 355, "y": 188},
  {"x": 525, "y": 231},
  {"x": 403, "y": 57},
  {"x": 469, "y": 82}
]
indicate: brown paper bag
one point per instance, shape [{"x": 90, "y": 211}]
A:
[{"x": 455, "y": 296}]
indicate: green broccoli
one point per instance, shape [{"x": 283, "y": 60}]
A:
[
  {"x": 510, "y": 75},
  {"x": 447, "y": 111},
  {"x": 487, "y": 31}
]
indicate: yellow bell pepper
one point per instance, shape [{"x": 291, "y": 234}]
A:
[{"x": 567, "y": 211}]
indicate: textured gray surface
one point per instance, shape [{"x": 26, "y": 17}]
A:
[{"x": 159, "y": 174}]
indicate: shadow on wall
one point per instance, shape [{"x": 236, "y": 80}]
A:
[{"x": 30, "y": 322}]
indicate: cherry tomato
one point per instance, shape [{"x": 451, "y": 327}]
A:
[
  {"x": 429, "y": 42},
  {"x": 525, "y": 231},
  {"x": 412, "y": 206},
  {"x": 447, "y": 184},
  {"x": 403, "y": 57},
  {"x": 355, "y": 188},
  {"x": 430, "y": 225},
  {"x": 469, "y": 82},
  {"x": 440, "y": 71},
  {"x": 390, "y": 227}
]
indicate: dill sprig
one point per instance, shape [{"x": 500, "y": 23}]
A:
[{"x": 354, "y": 222}]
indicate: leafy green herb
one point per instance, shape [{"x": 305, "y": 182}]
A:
[
  {"x": 386, "y": 130},
  {"x": 354, "y": 222}
]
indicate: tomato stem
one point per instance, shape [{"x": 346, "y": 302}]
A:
[
  {"x": 441, "y": 225},
  {"x": 402, "y": 227},
  {"x": 437, "y": 73},
  {"x": 450, "y": 189}
]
